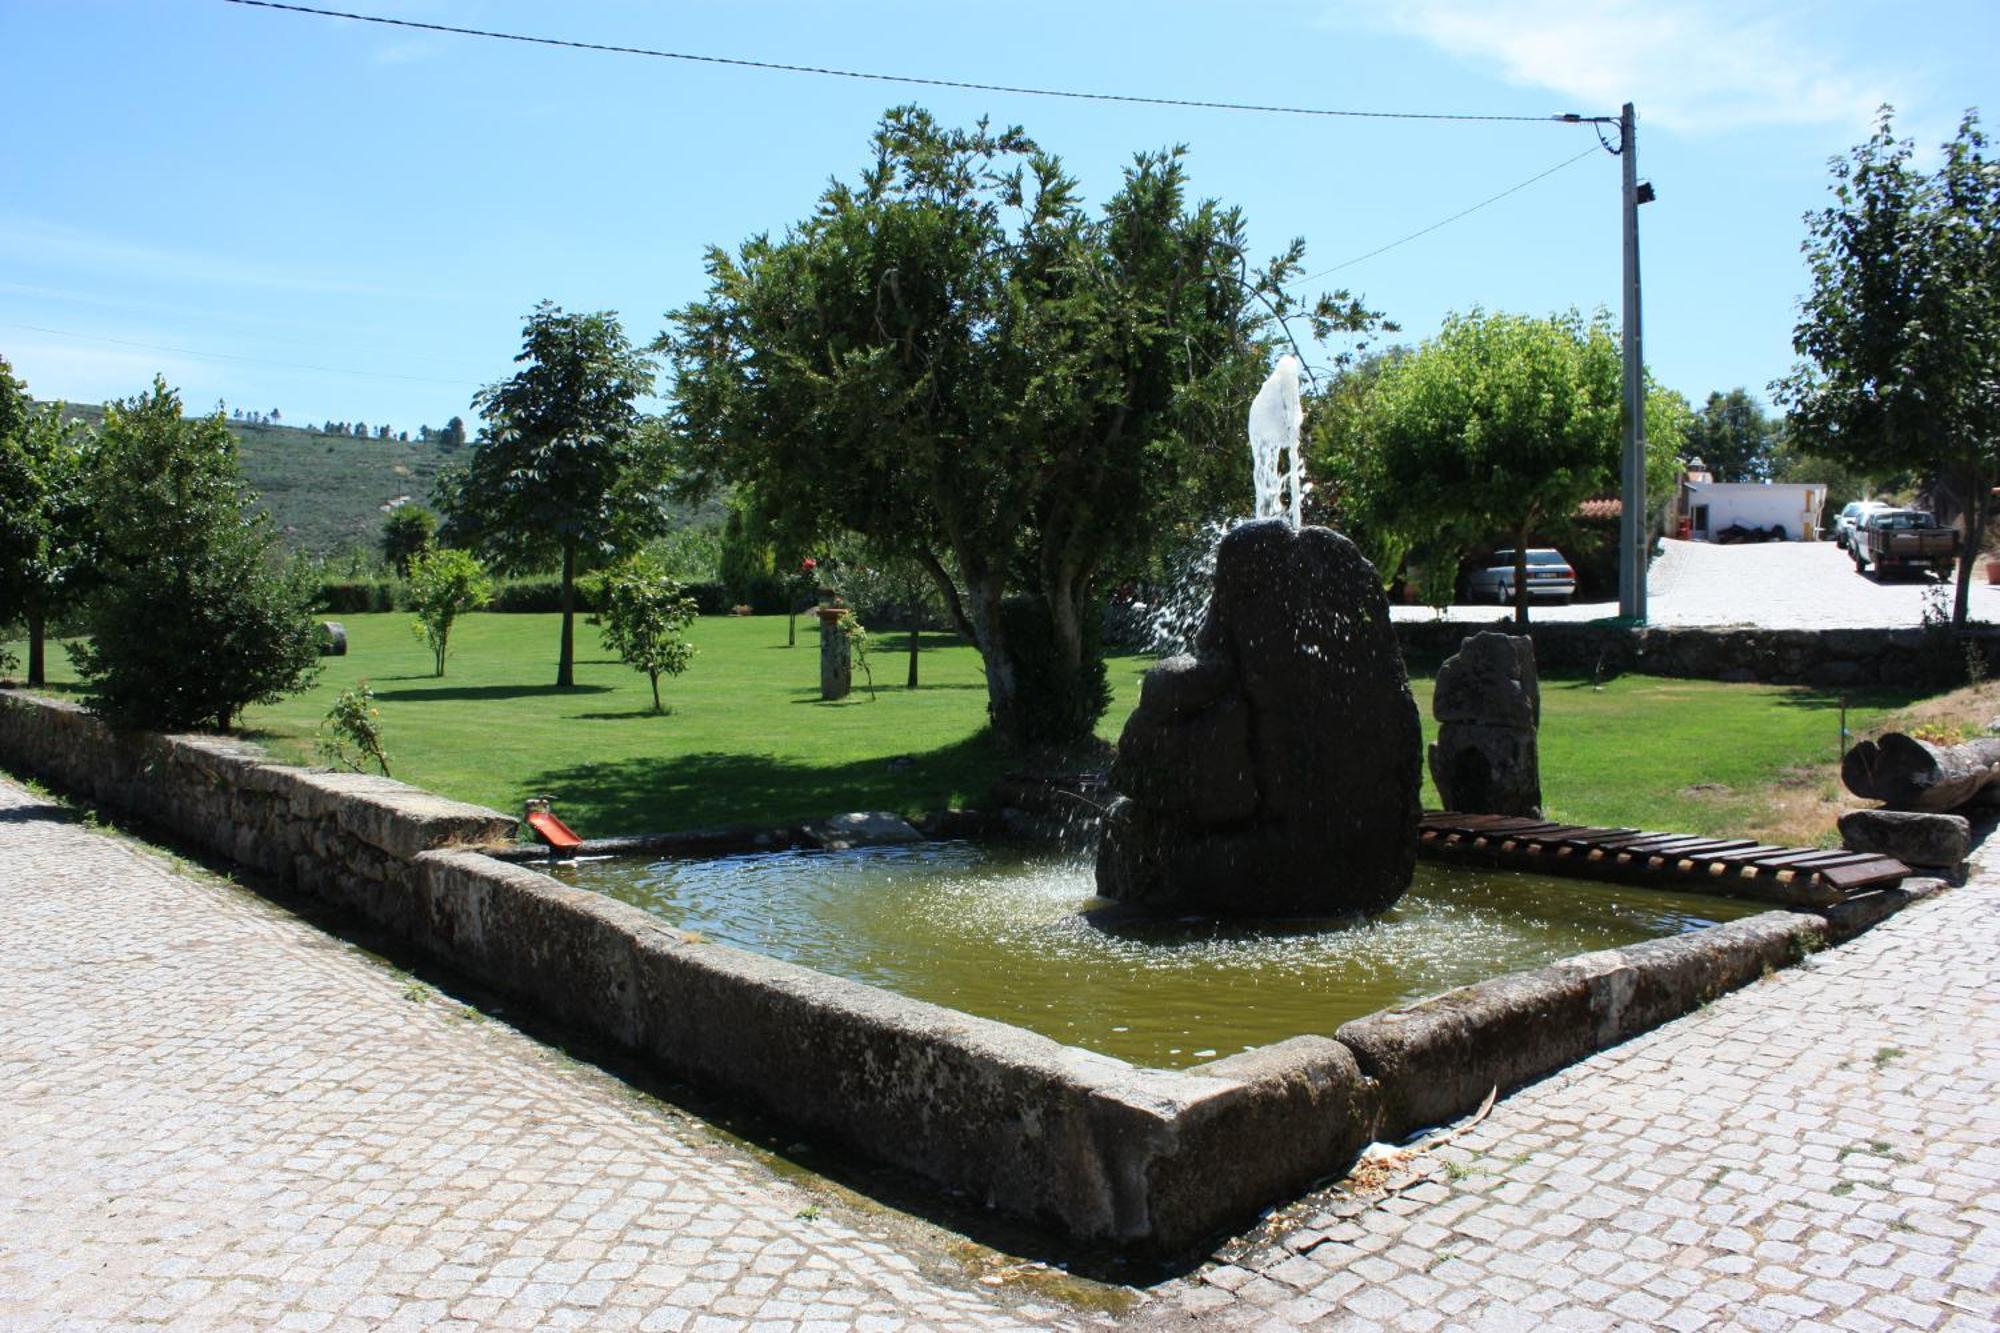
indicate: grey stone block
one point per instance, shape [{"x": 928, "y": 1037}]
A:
[{"x": 1914, "y": 838}]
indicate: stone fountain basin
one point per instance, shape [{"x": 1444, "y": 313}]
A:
[{"x": 1093, "y": 1147}]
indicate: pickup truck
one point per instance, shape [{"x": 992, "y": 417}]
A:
[{"x": 1892, "y": 539}]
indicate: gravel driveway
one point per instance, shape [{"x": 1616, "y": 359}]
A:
[{"x": 1775, "y": 585}]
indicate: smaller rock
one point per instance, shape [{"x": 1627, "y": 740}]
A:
[
  {"x": 862, "y": 828},
  {"x": 1911, "y": 837},
  {"x": 332, "y": 639},
  {"x": 1487, "y": 698}
]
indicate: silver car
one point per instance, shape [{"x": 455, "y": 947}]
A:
[
  {"x": 1550, "y": 578},
  {"x": 1851, "y": 517}
]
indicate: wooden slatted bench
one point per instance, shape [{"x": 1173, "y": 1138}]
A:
[{"x": 1734, "y": 867}]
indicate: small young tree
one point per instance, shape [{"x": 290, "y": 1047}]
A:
[
  {"x": 407, "y": 530},
  {"x": 444, "y": 583},
  {"x": 199, "y": 615},
  {"x": 642, "y": 615}
]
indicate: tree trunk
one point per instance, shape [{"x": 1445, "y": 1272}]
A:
[
  {"x": 1978, "y": 502},
  {"x": 37, "y": 651},
  {"x": 1908, "y": 774},
  {"x": 916, "y": 622},
  {"x": 566, "y": 662},
  {"x": 656, "y": 691},
  {"x": 1521, "y": 578},
  {"x": 990, "y": 637}
]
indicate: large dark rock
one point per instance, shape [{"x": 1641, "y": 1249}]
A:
[
  {"x": 1485, "y": 760},
  {"x": 1275, "y": 770}
]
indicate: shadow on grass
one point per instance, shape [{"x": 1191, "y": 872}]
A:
[
  {"x": 476, "y": 692},
  {"x": 672, "y": 793}
]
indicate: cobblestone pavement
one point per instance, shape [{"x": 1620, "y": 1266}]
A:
[
  {"x": 1775, "y": 585},
  {"x": 214, "y": 1116},
  {"x": 1818, "y": 1150}
]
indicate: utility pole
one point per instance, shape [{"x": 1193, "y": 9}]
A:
[{"x": 1632, "y": 526}]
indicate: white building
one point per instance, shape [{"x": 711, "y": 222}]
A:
[{"x": 1709, "y": 507}]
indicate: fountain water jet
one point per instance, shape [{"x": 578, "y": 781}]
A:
[{"x": 1275, "y": 770}]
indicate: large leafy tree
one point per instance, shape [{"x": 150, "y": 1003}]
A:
[
  {"x": 563, "y": 470},
  {"x": 1734, "y": 436},
  {"x": 1502, "y": 423},
  {"x": 198, "y": 614},
  {"x": 46, "y": 538},
  {"x": 956, "y": 360},
  {"x": 1900, "y": 333}
]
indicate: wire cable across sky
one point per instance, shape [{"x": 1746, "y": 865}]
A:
[
  {"x": 1445, "y": 222},
  {"x": 913, "y": 79}
]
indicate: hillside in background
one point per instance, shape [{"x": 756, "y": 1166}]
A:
[{"x": 327, "y": 492}]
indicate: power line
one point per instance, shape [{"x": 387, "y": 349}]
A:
[
  {"x": 776, "y": 66},
  {"x": 248, "y": 360},
  {"x": 1445, "y": 222}
]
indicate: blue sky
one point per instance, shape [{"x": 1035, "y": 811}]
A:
[{"x": 348, "y": 221}]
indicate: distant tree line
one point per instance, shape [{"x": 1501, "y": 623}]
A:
[{"x": 451, "y": 435}]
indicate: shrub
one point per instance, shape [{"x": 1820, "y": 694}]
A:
[
  {"x": 352, "y": 731},
  {"x": 350, "y": 597},
  {"x": 197, "y": 616}
]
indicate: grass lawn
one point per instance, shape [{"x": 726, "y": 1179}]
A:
[{"x": 748, "y": 740}]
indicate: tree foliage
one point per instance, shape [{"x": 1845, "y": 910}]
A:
[
  {"x": 955, "y": 359},
  {"x": 562, "y": 471},
  {"x": 1500, "y": 424},
  {"x": 1900, "y": 333},
  {"x": 444, "y": 583},
  {"x": 643, "y": 615},
  {"x": 198, "y": 615},
  {"x": 46, "y": 539},
  {"x": 1736, "y": 439},
  {"x": 406, "y": 530}
]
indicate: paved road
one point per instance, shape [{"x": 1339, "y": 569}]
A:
[
  {"x": 1818, "y": 1150},
  {"x": 214, "y": 1116},
  {"x": 1777, "y": 585}
]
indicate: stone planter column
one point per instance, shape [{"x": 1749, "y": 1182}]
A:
[{"x": 836, "y": 655}]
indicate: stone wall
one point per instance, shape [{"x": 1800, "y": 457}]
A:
[
  {"x": 1827, "y": 659},
  {"x": 1089, "y": 1146}
]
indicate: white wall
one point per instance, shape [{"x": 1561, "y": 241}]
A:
[{"x": 1794, "y": 507}]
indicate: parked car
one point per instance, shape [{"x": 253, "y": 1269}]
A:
[
  {"x": 1897, "y": 539},
  {"x": 1850, "y": 518},
  {"x": 1550, "y": 578}
]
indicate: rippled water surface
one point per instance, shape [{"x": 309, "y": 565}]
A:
[{"x": 996, "y": 931}]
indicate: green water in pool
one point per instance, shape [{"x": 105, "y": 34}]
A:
[{"x": 997, "y": 930}]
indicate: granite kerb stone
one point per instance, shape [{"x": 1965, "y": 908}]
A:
[{"x": 1437, "y": 1059}]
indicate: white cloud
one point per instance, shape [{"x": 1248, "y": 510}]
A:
[{"x": 1690, "y": 65}]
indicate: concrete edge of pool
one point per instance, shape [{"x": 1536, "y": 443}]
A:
[{"x": 1087, "y": 1145}]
